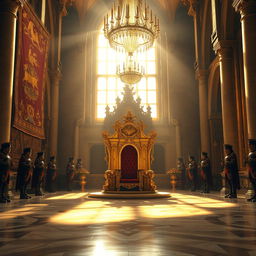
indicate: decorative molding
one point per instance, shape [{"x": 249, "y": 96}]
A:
[
  {"x": 224, "y": 45},
  {"x": 128, "y": 103},
  {"x": 11, "y": 6},
  {"x": 245, "y": 7},
  {"x": 192, "y": 6},
  {"x": 56, "y": 75},
  {"x": 63, "y": 6},
  {"x": 201, "y": 74}
]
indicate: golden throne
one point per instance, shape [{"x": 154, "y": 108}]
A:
[{"x": 129, "y": 156}]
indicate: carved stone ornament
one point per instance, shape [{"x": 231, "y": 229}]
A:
[{"x": 129, "y": 130}]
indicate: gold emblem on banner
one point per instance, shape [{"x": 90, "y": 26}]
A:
[{"x": 30, "y": 76}]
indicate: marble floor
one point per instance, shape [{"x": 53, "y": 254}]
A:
[{"x": 70, "y": 224}]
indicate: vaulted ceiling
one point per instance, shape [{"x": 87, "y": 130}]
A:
[{"x": 84, "y": 5}]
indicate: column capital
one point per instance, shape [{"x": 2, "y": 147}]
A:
[
  {"x": 175, "y": 122},
  {"x": 192, "y": 6},
  {"x": 11, "y": 6},
  {"x": 63, "y": 6},
  {"x": 245, "y": 7},
  {"x": 224, "y": 46},
  {"x": 201, "y": 74},
  {"x": 56, "y": 74}
]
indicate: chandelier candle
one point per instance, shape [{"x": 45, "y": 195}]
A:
[{"x": 131, "y": 29}]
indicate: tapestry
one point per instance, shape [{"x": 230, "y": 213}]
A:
[{"x": 32, "y": 52}]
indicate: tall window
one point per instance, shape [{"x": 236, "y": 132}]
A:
[{"x": 109, "y": 86}]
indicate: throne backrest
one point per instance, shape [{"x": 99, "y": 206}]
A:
[
  {"x": 129, "y": 142},
  {"x": 129, "y": 162}
]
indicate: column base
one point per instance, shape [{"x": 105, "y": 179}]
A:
[{"x": 249, "y": 193}]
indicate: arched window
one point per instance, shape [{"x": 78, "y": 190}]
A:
[{"x": 109, "y": 86}]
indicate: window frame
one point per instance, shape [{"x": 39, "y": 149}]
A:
[{"x": 107, "y": 76}]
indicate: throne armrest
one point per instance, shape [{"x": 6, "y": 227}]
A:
[
  {"x": 140, "y": 177},
  {"x": 118, "y": 177}
]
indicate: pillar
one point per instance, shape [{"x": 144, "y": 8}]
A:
[
  {"x": 247, "y": 11},
  {"x": 176, "y": 124},
  {"x": 224, "y": 50},
  {"x": 8, "y": 17},
  {"x": 202, "y": 78},
  {"x": 56, "y": 76},
  {"x": 43, "y": 9}
]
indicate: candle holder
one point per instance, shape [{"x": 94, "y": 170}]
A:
[{"x": 175, "y": 176}]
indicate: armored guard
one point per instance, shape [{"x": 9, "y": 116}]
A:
[
  {"x": 182, "y": 169},
  {"x": 79, "y": 165},
  {"x": 5, "y": 167},
  {"x": 70, "y": 172},
  {"x": 231, "y": 171},
  {"x": 251, "y": 166},
  {"x": 24, "y": 173},
  {"x": 51, "y": 175},
  {"x": 205, "y": 172},
  {"x": 192, "y": 172},
  {"x": 38, "y": 174}
]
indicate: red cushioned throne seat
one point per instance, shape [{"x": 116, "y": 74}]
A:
[
  {"x": 129, "y": 180},
  {"x": 129, "y": 165}
]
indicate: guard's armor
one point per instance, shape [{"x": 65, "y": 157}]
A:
[
  {"x": 206, "y": 174},
  {"x": 24, "y": 174},
  {"x": 51, "y": 176},
  {"x": 230, "y": 162},
  {"x": 205, "y": 163},
  {"x": 192, "y": 174},
  {"x": 79, "y": 165},
  {"x": 182, "y": 168},
  {"x": 231, "y": 172},
  {"x": 5, "y": 167},
  {"x": 251, "y": 163},
  {"x": 38, "y": 175},
  {"x": 70, "y": 174}
]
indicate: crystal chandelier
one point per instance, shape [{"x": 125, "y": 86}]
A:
[
  {"x": 130, "y": 72},
  {"x": 131, "y": 26}
]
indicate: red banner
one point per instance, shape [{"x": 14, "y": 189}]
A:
[{"x": 33, "y": 42}]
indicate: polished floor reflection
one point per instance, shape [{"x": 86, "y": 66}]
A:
[{"x": 70, "y": 224}]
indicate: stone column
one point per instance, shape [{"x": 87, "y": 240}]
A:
[
  {"x": 56, "y": 75},
  {"x": 8, "y": 17},
  {"x": 203, "y": 109},
  {"x": 228, "y": 92},
  {"x": 43, "y": 9},
  {"x": 176, "y": 124},
  {"x": 247, "y": 11},
  {"x": 201, "y": 75}
]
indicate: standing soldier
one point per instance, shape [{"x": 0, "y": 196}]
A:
[
  {"x": 231, "y": 171},
  {"x": 79, "y": 165},
  {"x": 251, "y": 165},
  {"x": 206, "y": 174},
  {"x": 51, "y": 175},
  {"x": 38, "y": 173},
  {"x": 182, "y": 168},
  {"x": 5, "y": 167},
  {"x": 24, "y": 174},
  {"x": 192, "y": 172},
  {"x": 70, "y": 172}
]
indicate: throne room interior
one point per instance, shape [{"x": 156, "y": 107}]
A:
[{"x": 62, "y": 95}]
